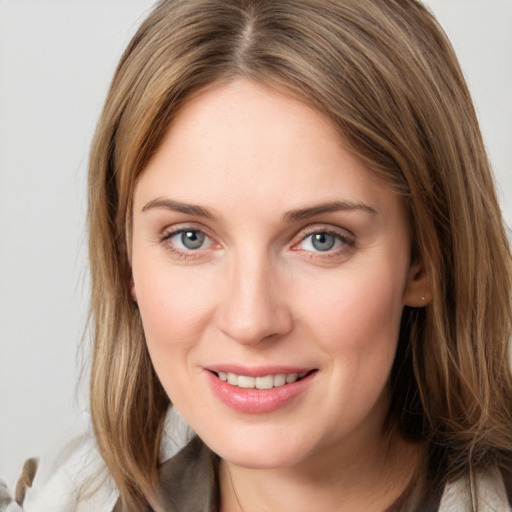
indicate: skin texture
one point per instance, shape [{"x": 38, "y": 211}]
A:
[{"x": 258, "y": 293}]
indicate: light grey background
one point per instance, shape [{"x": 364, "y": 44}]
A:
[{"x": 56, "y": 61}]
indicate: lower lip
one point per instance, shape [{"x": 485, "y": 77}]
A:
[{"x": 257, "y": 401}]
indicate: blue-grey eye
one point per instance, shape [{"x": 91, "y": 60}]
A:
[
  {"x": 192, "y": 239},
  {"x": 323, "y": 241}
]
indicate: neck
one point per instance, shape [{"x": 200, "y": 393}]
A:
[{"x": 369, "y": 478}]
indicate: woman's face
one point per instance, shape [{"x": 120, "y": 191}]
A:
[{"x": 270, "y": 270}]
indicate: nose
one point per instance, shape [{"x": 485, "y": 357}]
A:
[{"x": 253, "y": 307}]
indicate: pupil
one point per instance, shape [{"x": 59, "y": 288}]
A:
[
  {"x": 192, "y": 239},
  {"x": 323, "y": 241}
]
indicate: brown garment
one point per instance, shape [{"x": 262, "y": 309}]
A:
[{"x": 188, "y": 481}]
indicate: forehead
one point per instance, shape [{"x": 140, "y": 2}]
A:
[{"x": 242, "y": 140}]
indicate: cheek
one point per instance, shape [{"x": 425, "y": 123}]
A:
[
  {"x": 359, "y": 316},
  {"x": 174, "y": 305},
  {"x": 357, "y": 326}
]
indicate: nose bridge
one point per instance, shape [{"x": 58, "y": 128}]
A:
[{"x": 253, "y": 308}]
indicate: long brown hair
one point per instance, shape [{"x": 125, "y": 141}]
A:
[{"x": 387, "y": 77}]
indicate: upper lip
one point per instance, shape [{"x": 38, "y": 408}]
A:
[{"x": 258, "y": 371}]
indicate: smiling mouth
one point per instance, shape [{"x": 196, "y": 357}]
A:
[{"x": 264, "y": 382}]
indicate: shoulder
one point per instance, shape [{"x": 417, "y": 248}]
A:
[
  {"x": 491, "y": 491},
  {"x": 76, "y": 481}
]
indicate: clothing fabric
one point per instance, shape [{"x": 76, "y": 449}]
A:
[
  {"x": 80, "y": 482},
  {"x": 188, "y": 481}
]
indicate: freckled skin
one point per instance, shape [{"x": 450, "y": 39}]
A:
[{"x": 258, "y": 292}]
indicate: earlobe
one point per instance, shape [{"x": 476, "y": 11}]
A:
[{"x": 418, "y": 291}]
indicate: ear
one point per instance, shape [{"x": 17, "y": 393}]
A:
[
  {"x": 418, "y": 292},
  {"x": 132, "y": 290}
]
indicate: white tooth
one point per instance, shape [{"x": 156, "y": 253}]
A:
[
  {"x": 291, "y": 377},
  {"x": 245, "y": 382},
  {"x": 279, "y": 380},
  {"x": 233, "y": 379},
  {"x": 223, "y": 376},
  {"x": 303, "y": 374},
  {"x": 266, "y": 382}
]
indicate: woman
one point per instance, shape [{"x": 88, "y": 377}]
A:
[{"x": 295, "y": 240}]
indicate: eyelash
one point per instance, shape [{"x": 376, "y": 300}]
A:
[{"x": 346, "y": 242}]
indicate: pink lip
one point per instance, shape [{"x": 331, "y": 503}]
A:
[{"x": 257, "y": 401}]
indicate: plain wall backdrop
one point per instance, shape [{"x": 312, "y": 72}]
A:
[{"x": 56, "y": 61}]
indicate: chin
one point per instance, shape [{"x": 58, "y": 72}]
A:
[
  {"x": 258, "y": 459},
  {"x": 263, "y": 451}
]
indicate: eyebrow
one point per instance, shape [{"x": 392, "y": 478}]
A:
[
  {"x": 292, "y": 215},
  {"x": 332, "y": 206},
  {"x": 189, "y": 209}
]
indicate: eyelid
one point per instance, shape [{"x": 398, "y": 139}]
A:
[
  {"x": 174, "y": 229},
  {"x": 325, "y": 228}
]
